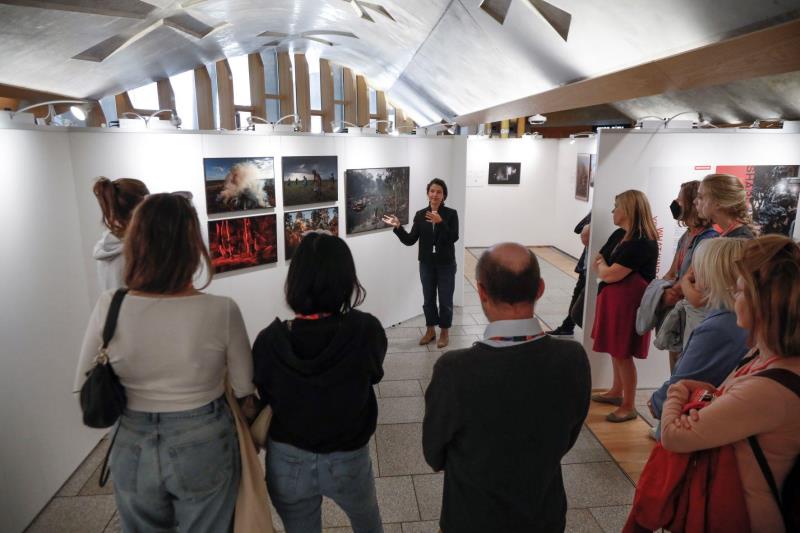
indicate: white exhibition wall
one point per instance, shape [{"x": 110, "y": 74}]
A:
[
  {"x": 643, "y": 160},
  {"x": 45, "y": 308},
  {"x": 542, "y": 209},
  {"x": 520, "y": 213},
  {"x": 51, "y": 222}
]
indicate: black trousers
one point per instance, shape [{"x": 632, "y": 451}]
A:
[
  {"x": 438, "y": 279},
  {"x": 568, "y": 323}
]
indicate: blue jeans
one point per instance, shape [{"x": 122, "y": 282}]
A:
[
  {"x": 297, "y": 480},
  {"x": 442, "y": 279},
  {"x": 177, "y": 470}
]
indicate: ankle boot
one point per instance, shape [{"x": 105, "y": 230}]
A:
[
  {"x": 430, "y": 335},
  {"x": 444, "y": 338}
]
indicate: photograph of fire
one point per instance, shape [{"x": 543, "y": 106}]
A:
[
  {"x": 237, "y": 243},
  {"x": 239, "y": 183},
  {"x": 297, "y": 223}
]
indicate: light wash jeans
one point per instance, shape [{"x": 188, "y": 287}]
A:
[
  {"x": 177, "y": 471},
  {"x": 297, "y": 480}
]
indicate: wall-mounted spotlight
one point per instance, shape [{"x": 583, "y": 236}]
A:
[
  {"x": 581, "y": 135},
  {"x": 389, "y": 123},
  {"x": 79, "y": 110},
  {"x": 294, "y": 126}
]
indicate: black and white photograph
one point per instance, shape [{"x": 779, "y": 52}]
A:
[{"x": 504, "y": 173}]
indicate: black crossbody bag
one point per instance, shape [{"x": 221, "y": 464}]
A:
[{"x": 102, "y": 395}]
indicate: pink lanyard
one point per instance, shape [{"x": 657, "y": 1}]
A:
[{"x": 315, "y": 316}]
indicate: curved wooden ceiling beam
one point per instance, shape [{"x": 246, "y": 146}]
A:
[{"x": 762, "y": 53}]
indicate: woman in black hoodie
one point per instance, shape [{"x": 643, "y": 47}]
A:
[{"x": 317, "y": 373}]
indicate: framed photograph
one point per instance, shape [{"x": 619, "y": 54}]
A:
[
  {"x": 372, "y": 193},
  {"x": 239, "y": 183},
  {"x": 236, "y": 243},
  {"x": 504, "y": 173},
  {"x": 310, "y": 180},
  {"x": 772, "y": 192},
  {"x": 297, "y": 223},
  {"x": 583, "y": 177}
]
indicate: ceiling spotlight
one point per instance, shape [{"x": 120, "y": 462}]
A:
[{"x": 537, "y": 119}]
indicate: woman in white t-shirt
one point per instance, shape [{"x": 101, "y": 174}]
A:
[{"x": 176, "y": 457}]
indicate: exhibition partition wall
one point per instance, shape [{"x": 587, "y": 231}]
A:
[
  {"x": 52, "y": 221},
  {"x": 657, "y": 163},
  {"x": 542, "y": 208},
  {"x": 506, "y": 211}
]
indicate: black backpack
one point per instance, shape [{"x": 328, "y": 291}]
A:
[{"x": 788, "y": 497}]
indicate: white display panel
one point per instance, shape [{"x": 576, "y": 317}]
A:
[
  {"x": 45, "y": 307},
  {"x": 521, "y": 213},
  {"x": 630, "y": 160},
  {"x": 51, "y": 287}
]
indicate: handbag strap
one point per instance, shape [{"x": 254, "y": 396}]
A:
[
  {"x": 105, "y": 471},
  {"x": 108, "y": 332},
  {"x": 113, "y": 314},
  {"x": 791, "y": 381}
]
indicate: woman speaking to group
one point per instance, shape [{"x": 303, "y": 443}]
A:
[{"x": 436, "y": 229}]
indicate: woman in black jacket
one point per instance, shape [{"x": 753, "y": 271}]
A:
[
  {"x": 436, "y": 228},
  {"x": 317, "y": 372}
]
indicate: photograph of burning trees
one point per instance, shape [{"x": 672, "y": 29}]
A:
[
  {"x": 375, "y": 192},
  {"x": 310, "y": 180},
  {"x": 239, "y": 183},
  {"x": 297, "y": 223},
  {"x": 236, "y": 243}
]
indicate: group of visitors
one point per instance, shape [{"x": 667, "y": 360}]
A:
[{"x": 499, "y": 415}]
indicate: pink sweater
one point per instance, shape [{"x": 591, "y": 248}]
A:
[{"x": 748, "y": 406}]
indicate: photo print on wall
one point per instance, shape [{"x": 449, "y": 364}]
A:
[
  {"x": 583, "y": 177},
  {"x": 297, "y": 223},
  {"x": 772, "y": 192},
  {"x": 504, "y": 173},
  {"x": 239, "y": 183},
  {"x": 372, "y": 193},
  {"x": 236, "y": 243},
  {"x": 310, "y": 180}
]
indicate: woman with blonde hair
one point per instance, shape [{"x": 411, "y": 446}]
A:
[
  {"x": 117, "y": 200},
  {"x": 625, "y": 265},
  {"x": 717, "y": 345},
  {"x": 722, "y": 199},
  {"x": 767, "y": 304},
  {"x": 175, "y": 462}
]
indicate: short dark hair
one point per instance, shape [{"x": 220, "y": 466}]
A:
[
  {"x": 164, "y": 245},
  {"x": 440, "y": 183},
  {"x": 504, "y": 285},
  {"x": 322, "y": 277}
]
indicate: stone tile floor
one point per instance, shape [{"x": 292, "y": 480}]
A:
[{"x": 409, "y": 492}]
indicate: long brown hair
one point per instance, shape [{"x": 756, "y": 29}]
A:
[
  {"x": 728, "y": 192},
  {"x": 690, "y": 216},
  {"x": 770, "y": 270},
  {"x": 117, "y": 201},
  {"x": 164, "y": 246},
  {"x": 636, "y": 208}
]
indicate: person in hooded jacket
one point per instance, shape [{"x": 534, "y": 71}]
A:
[
  {"x": 317, "y": 371},
  {"x": 117, "y": 201}
]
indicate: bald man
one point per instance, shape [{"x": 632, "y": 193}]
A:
[{"x": 499, "y": 416}]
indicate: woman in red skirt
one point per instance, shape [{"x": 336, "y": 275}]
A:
[{"x": 625, "y": 266}]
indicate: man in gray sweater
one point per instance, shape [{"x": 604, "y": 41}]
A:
[{"x": 499, "y": 416}]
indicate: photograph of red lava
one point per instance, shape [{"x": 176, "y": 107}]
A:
[{"x": 236, "y": 243}]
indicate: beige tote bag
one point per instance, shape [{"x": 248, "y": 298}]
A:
[{"x": 253, "y": 513}]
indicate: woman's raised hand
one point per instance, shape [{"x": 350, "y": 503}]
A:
[
  {"x": 391, "y": 220},
  {"x": 433, "y": 216}
]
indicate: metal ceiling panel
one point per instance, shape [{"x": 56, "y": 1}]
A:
[{"x": 436, "y": 57}]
